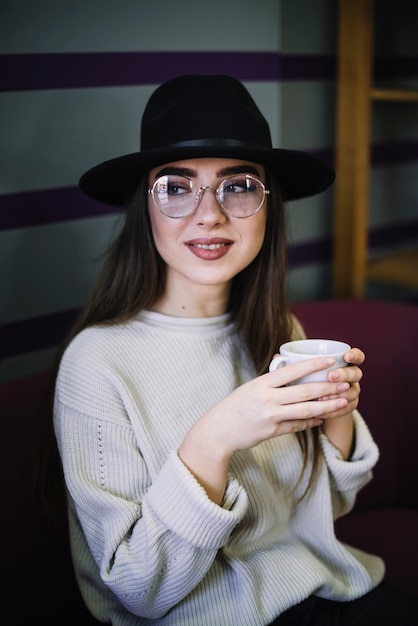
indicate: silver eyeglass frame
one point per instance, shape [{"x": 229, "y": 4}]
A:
[{"x": 199, "y": 191}]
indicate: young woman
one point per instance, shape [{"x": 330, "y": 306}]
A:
[{"x": 202, "y": 489}]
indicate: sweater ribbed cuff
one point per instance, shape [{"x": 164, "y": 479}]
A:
[
  {"x": 356, "y": 472},
  {"x": 183, "y": 506}
]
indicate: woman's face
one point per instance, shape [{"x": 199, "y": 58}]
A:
[{"x": 207, "y": 247}]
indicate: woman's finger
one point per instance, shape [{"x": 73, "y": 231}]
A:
[
  {"x": 289, "y": 373},
  {"x": 355, "y": 356},
  {"x": 351, "y": 374}
]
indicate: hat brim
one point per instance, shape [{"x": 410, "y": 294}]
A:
[{"x": 299, "y": 174}]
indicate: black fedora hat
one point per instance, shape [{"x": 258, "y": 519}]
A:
[{"x": 196, "y": 116}]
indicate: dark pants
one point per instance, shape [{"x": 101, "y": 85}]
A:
[{"x": 384, "y": 606}]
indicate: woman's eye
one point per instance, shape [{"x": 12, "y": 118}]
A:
[
  {"x": 176, "y": 188},
  {"x": 240, "y": 186},
  {"x": 235, "y": 187}
]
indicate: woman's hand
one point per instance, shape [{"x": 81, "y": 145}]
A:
[
  {"x": 341, "y": 431},
  {"x": 259, "y": 410}
]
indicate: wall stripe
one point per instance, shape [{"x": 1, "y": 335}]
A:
[
  {"x": 109, "y": 69},
  {"x": 393, "y": 234},
  {"x": 37, "y": 208},
  {"x": 47, "y": 331},
  {"x": 25, "y": 72},
  {"x": 37, "y": 333},
  {"x": 394, "y": 153},
  {"x": 115, "y": 69},
  {"x": 320, "y": 251}
]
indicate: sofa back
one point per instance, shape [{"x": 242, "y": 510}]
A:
[{"x": 388, "y": 334}]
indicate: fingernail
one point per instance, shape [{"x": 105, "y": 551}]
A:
[
  {"x": 343, "y": 387},
  {"x": 329, "y": 361}
]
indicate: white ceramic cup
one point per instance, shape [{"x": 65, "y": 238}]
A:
[{"x": 304, "y": 349}]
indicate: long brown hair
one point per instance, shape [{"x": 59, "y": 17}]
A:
[{"x": 133, "y": 277}]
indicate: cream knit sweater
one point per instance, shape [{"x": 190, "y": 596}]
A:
[{"x": 149, "y": 547}]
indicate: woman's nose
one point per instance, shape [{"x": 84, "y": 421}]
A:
[{"x": 209, "y": 211}]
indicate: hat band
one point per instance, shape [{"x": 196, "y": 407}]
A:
[{"x": 216, "y": 143}]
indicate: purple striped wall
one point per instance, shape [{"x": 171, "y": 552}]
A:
[
  {"x": 25, "y": 72},
  {"x": 77, "y": 70}
]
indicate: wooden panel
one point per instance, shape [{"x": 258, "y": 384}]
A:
[
  {"x": 352, "y": 146},
  {"x": 398, "y": 269},
  {"x": 355, "y": 97},
  {"x": 394, "y": 95}
]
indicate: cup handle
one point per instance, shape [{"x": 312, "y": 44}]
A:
[{"x": 278, "y": 361}]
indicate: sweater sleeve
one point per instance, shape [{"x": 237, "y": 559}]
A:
[
  {"x": 153, "y": 534},
  {"x": 348, "y": 477}
]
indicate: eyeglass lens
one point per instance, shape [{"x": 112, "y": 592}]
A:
[{"x": 176, "y": 196}]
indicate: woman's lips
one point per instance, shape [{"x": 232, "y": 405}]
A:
[{"x": 209, "y": 249}]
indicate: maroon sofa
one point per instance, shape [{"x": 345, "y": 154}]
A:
[
  {"x": 38, "y": 581},
  {"x": 385, "y": 518}
]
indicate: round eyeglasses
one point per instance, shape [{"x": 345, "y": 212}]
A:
[{"x": 239, "y": 196}]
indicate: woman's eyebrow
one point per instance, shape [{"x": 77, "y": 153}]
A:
[
  {"x": 191, "y": 173},
  {"x": 177, "y": 171},
  {"x": 238, "y": 169}
]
